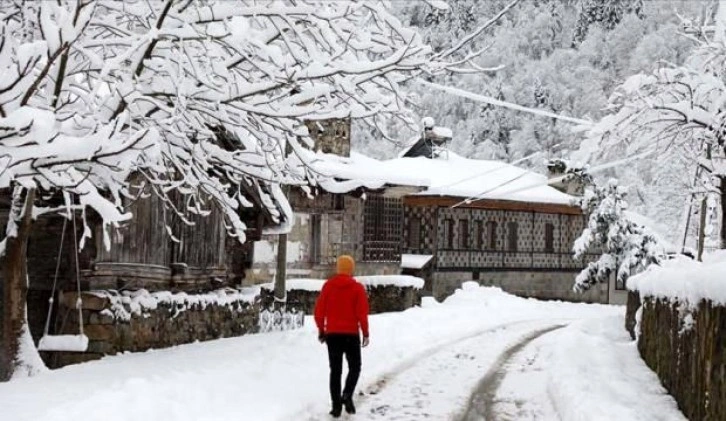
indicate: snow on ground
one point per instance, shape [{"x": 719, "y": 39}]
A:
[
  {"x": 442, "y": 350},
  {"x": 589, "y": 370}
]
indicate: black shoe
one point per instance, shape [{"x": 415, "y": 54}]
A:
[
  {"x": 337, "y": 409},
  {"x": 348, "y": 403}
]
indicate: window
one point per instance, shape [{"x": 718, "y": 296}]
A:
[
  {"x": 491, "y": 235},
  {"x": 549, "y": 238},
  {"x": 512, "y": 236},
  {"x": 480, "y": 235},
  {"x": 414, "y": 233},
  {"x": 449, "y": 233},
  {"x": 338, "y": 202},
  {"x": 463, "y": 234},
  {"x": 382, "y": 228}
]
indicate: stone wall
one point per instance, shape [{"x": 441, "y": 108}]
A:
[
  {"x": 381, "y": 299},
  {"x": 115, "y": 323},
  {"x": 531, "y": 284},
  {"x": 686, "y": 346}
]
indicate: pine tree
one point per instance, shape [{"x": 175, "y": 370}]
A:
[
  {"x": 627, "y": 248},
  {"x": 607, "y": 13}
]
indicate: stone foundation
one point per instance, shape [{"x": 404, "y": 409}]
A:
[
  {"x": 141, "y": 320},
  {"x": 686, "y": 346},
  {"x": 543, "y": 285}
]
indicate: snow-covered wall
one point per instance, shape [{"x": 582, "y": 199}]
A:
[
  {"x": 385, "y": 293},
  {"x": 677, "y": 312},
  {"x": 141, "y": 320}
]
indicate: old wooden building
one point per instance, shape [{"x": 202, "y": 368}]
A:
[{"x": 355, "y": 208}]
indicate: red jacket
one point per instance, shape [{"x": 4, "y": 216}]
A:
[{"x": 342, "y": 306}]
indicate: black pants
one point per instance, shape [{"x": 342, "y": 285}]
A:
[{"x": 339, "y": 345}]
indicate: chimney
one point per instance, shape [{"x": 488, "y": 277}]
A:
[{"x": 567, "y": 179}]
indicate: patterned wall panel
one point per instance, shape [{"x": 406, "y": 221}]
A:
[
  {"x": 427, "y": 217},
  {"x": 531, "y": 235}
]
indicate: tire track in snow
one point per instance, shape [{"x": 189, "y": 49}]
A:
[
  {"x": 482, "y": 402},
  {"x": 439, "y": 384},
  {"x": 376, "y": 389}
]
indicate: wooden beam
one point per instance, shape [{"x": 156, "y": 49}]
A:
[{"x": 492, "y": 204}]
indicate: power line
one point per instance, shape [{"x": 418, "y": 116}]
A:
[{"x": 493, "y": 101}]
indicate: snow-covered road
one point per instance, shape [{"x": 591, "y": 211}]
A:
[
  {"x": 439, "y": 385},
  {"x": 423, "y": 363}
]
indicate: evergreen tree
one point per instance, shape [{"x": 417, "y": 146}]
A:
[{"x": 627, "y": 248}]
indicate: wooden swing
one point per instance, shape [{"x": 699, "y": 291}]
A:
[{"x": 66, "y": 343}]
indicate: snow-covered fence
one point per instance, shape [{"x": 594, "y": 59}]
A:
[
  {"x": 385, "y": 292},
  {"x": 141, "y": 320},
  {"x": 677, "y": 312}
]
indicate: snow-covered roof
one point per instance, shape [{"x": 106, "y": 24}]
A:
[
  {"x": 448, "y": 175},
  {"x": 340, "y": 174},
  {"x": 415, "y": 261},
  {"x": 456, "y": 176}
]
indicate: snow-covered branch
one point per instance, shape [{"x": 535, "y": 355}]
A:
[{"x": 191, "y": 99}]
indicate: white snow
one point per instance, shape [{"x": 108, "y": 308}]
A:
[
  {"x": 683, "y": 279},
  {"x": 124, "y": 304},
  {"x": 443, "y": 132},
  {"x": 299, "y": 284},
  {"x": 70, "y": 343},
  {"x": 595, "y": 373},
  {"x": 415, "y": 261},
  {"x": 448, "y": 175},
  {"x": 284, "y": 375},
  {"x": 377, "y": 280}
]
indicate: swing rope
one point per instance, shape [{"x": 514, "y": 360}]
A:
[
  {"x": 73, "y": 343},
  {"x": 51, "y": 300},
  {"x": 79, "y": 301}
]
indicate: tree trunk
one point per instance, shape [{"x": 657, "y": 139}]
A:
[
  {"x": 15, "y": 283},
  {"x": 722, "y": 191},
  {"x": 281, "y": 273},
  {"x": 702, "y": 228}
]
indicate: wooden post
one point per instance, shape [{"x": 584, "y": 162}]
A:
[
  {"x": 280, "y": 292},
  {"x": 702, "y": 228},
  {"x": 722, "y": 191},
  {"x": 15, "y": 282}
]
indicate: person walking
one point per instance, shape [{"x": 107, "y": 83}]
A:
[{"x": 341, "y": 314}]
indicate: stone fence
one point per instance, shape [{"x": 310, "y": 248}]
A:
[
  {"x": 685, "y": 344},
  {"x": 142, "y": 320},
  {"x": 382, "y": 297}
]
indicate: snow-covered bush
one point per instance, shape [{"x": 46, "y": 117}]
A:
[{"x": 627, "y": 248}]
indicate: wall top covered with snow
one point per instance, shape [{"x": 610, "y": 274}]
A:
[
  {"x": 683, "y": 279},
  {"x": 369, "y": 281}
]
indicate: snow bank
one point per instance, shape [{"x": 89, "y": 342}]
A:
[
  {"x": 595, "y": 373},
  {"x": 127, "y": 303},
  {"x": 684, "y": 280},
  {"x": 400, "y": 281}
]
